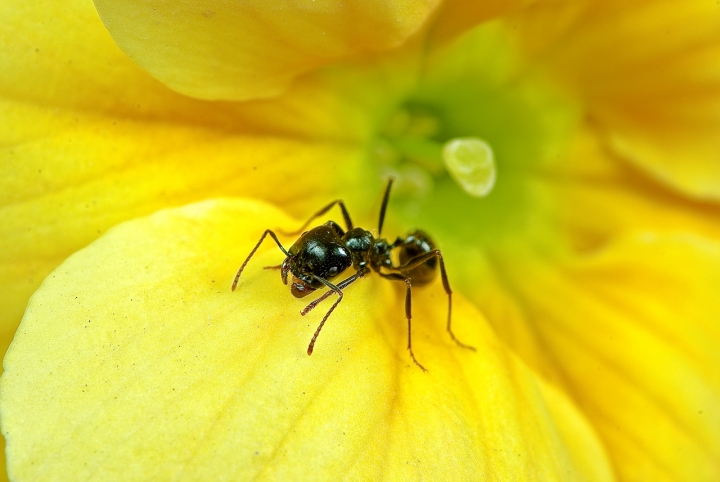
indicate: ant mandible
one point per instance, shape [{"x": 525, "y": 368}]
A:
[{"x": 323, "y": 252}]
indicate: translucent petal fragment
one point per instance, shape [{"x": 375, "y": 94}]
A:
[
  {"x": 244, "y": 50},
  {"x": 471, "y": 163},
  {"x": 135, "y": 361}
]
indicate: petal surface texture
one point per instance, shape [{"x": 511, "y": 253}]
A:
[
  {"x": 243, "y": 50},
  {"x": 623, "y": 316},
  {"x": 626, "y": 323},
  {"x": 594, "y": 259},
  {"x": 92, "y": 140},
  {"x": 136, "y": 351}
]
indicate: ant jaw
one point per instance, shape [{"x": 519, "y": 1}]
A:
[
  {"x": 299, "y": 288},
  {"x": 284, "y": 270}
]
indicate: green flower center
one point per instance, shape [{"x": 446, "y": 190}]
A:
[{"x": 472, "y": 144}]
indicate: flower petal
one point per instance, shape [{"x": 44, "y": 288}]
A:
[
  {"x": 631, "y": 236},
  {"x": 62, "y": 57},
  {"x": 136, "y": 351},
  {"x": 603, "y": 198},
  {"x": 86, "y": 74},
  {"x": 636, "y": 341},
  {"x": 648, "y": 71},
  {"x": 457, "y": 16},
  {"x": 66, "y": 177},
  {"x": 240, "y": 51},
  {"x": 90, "y": 140}
]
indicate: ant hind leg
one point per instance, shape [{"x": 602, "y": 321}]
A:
[
  {"x": 446, "y": 285},
  {"x": 417, "y": 261},
  {"x": 408, "y": 310}
]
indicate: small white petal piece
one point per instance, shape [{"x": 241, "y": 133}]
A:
[{"x": 471, "y": 163}]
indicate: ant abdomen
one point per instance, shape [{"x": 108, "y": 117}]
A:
[{"x": 414, "y": 244}]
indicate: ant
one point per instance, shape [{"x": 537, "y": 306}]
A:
[{"x": 323, "y": 252}]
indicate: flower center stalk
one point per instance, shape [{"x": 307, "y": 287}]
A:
[{"x": 471, "y": 163}]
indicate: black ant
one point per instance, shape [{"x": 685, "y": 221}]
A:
[{"x": 322, "y": 253}]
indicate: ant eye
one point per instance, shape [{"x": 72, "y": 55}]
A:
[{"x": 332, "y": 271}]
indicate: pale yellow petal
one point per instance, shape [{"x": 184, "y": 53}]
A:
[
  {"x": 632, "y": 331},
  {"x": 136, "y": 361},
  {"x": 239, "y": 51},
  {"x": 647, "y": 71},
  {"x": 91, "y": 140},
  {"x": 60, "y": 56},
  {"x": 66, "y": 178},
  {"x": 71, "y": 64}
]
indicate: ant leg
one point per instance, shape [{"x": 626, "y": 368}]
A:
[
  {"x": 272, "y": 235},
  {"x": 342, "y": 285},
  {"x": 408, "y": 310},
  {"x": 345, "y": 214},
  {"x": 334, "y": 289},
  {"x": 417, "y": 261},
  {"x": 446, "y": 285},
  {"x": 383, "y": 206}
]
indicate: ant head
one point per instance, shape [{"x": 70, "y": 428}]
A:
[{"x": 299, "y": 287}]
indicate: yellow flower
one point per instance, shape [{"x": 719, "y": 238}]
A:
[{"x": 586, "y": 278}]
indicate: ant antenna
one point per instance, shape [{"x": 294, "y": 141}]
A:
[
  {"x": 272, "y": 235},
  {"x": 386, "y": 196}
]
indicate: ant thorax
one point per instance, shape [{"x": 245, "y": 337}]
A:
[
  {"x": 381, "y": 255},
  {"x": 359, "y": 242}
]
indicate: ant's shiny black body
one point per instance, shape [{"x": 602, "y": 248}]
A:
[{"x": 323, "y": 252}]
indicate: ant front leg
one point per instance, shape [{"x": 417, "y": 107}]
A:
[
  {"x": 272, "y": 235},
  {"x": 408, "y": 310},
  {"x": 420, "y": 259},
  {"x": 345, "y": 214},
  {"x": 342, "y": 285},
  {"x": 334, "y": 289}
]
